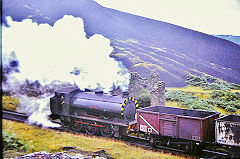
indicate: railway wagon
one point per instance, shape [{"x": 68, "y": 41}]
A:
[
  {"x": 227, "y": 130},
  {"x": 93, "y": 111},
  {"x": 174, "y": 126}
]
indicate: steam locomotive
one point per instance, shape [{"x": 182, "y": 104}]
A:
[
  {"x": 92, "y": 111},
  {"x": 118, "y": 116}
]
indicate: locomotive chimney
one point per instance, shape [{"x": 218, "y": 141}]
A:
[
  {"x": 125, "y": 94},
  {"x": 88, "y": 90},
  {"x": 98, "y": 92}
]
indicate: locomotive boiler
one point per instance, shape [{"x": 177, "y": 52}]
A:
[{"x": 93, "y": 110}]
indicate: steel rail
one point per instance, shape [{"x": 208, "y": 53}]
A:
[{"x": 6, "y": 114}]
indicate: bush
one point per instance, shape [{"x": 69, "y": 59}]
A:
[
  {"x": 178, "y": 96},
  {"x": 217, "y": 86},
  {"x": 235, "y": 104},
  {"x": 216, "y": 94},
  {"x": 235, "y": 96},
  {"x": 210, "y": 101},
  {"x": 201, "y": 105},
  {"x": 144, "y": 98},
  {"x": 231, "y": 109},
  {"x": 234, "y": 86},
  {"x": 219, "y": 102},
  {"x": 230, "y": 101},
  {"x": 188, "y": 100},
  {"x": 210, "y": 83},
  {"x": 11, "y": 142}
]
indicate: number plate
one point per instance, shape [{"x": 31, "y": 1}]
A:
[{"x": 143, "y": 128}]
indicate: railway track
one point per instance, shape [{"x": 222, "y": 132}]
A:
[
  {"x": 132, "y": 140},
  {"x": 21, "y": 117},
  {"x": 6, "y": 114},
  {"x": 205, "y": 153},
  {"x": 145, "y": 143}
]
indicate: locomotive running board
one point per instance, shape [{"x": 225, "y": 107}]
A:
[
  {"x": 103, "y": 121},
  {"x": 148, "y": 124}
]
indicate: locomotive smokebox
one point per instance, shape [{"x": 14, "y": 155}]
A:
[{"x": 71, "y": 101}]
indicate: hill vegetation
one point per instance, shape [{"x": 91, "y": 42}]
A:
[
  {"x": 203, "y": 93},
  {"x": 221, "y": 101},
  {"x": 141, "y": 44},
  {"x": 21, "y": 139},
  {"x": 211, "y": 83}
]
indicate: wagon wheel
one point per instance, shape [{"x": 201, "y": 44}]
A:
[
  {"x": 153, "y": 141},
  {"x": 196, "y": 148},
  {"x": 107, "y": 131},
  {"x": 90, "y": 129},
  {"x": 76, "y": 125}
]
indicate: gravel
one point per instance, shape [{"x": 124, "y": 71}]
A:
[{"x": 58, "y": 155}]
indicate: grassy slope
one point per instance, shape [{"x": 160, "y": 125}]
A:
[
  {"x": 197, "y": 91},
  {"x": 52, "y": 141},
  {"x": 9, "y": 103}
]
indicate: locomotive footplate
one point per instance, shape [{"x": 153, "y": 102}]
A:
[
  {"x": 103, "y": 127},
  {"x": 119, "y": 123}
]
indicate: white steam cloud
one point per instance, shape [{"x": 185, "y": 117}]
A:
[
  {"x": 62, "y": 53},
  {"x": 54, "y": 53},
  {"x": 38, "y": 110}
]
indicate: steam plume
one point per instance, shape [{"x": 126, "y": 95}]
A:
[{"x": 45, "y": 55}]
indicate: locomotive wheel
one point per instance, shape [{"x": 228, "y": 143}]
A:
[
  {"x": 76, "y": 126},
  {"x": 90, "y": 129},
  {"x": 65, "y": 122},
  {"x": 107, "y": 131}
]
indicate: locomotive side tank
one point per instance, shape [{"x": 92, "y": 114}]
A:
[{"x": 72, "y": 101}]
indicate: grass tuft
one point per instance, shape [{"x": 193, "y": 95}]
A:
[{"x": 10, "y": 103}]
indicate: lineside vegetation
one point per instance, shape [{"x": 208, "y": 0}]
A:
[{"x": 28, "y": 139}]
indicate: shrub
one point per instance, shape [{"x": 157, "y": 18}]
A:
[
  {"x": 208, "y": 82},
  {"x": 232, "y": 96},
  {"x": 217, "y": 86},
  {"x": 144, "y": 98},
  {"x": 230, "y": 101},
  {"x": 210, "y": 101},
  {"x": 216, "y": 94},
  {"x": 234, "y": 86},
  {"x": 201, "y": 105},
  {"x": 231, "y": 109},
  {"x": 11, "y": 142},
  {"x": 178, "y": 96},
  {"x": 219, "y": 102},
  {"x": 235, "y": 104},
  {"x": 188, "y": 100}
]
